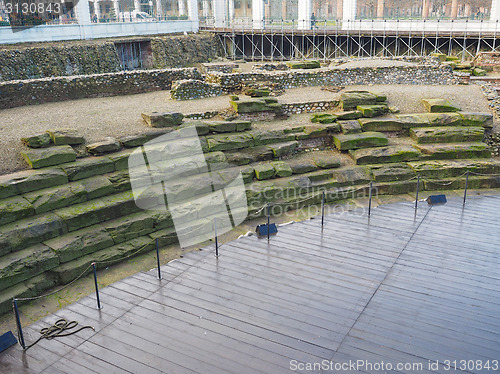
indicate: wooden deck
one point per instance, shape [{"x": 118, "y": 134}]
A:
[{"x": 395, "y": 288}]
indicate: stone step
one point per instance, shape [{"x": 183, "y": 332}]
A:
[
  {"x": 446, "y": 151},
  {"x": 361, "y": 140},
  {"x": 451, "y": 134},
  {"x": 380, "y": 124},
  {"x": 392, "y": 172},
  {"x": 389, "y": 154},
  {"x": 43, "y": 157},
  {"x": 444, "y": 119},
  {"x": 439, "y": 106},
  {"x": 454, "y": 168}
]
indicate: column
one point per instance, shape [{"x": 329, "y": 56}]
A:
[
  {"x": 192, "y": 8},
  {"x": 205, "y": 9},
  {"x": 495, "y": 10},
  {"x": 426, "y": 4},
  {"x": 258, "y": 14},
  {"x": 116, "y": 5},
  {"x": 349, "y": 10},
  {"x": 304, "y": 17},
  {"x": 454, "y": 9},
  {"x": 97, "y": 9},
  {"x": 182, "y": 8},
  {"x": 244, "y": 8},
  {"x": 340, "y": 7},
  {"x": 380, "y": 8},
  {"x": 219, "y": 13},
  {"x": 137, "y": 5},
  {"x": 283, "y": 9},
  {"x": 230, "y": 11},
  {"x": 82, "y": 11},
  {"x": 159, "y": 9},
  {"x": 467, "y": 10}
]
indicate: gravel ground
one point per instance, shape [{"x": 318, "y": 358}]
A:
[{"x": 118, "y": 116}]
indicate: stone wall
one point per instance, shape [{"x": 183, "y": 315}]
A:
[
  {"x": 338, "y": 77},
  {"x": 36, "y": 91},
  {"x": 97, "y": 57}
]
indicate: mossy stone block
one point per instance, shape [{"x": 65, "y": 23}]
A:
[
  {"x": 447, "y": 134},
  {"x": 370, "y": 111},
  {"x": 283, "y": 149},
  {"x": 388, "y": 154},
  {"x": 23, "y": 233},
  {"x": 14, "y": 209},
  {"x": 120, "y": 159},
  {"x": 382, "y": 124},
  {"x": 326, "y": 161},
  {"x": 202, "y": 128},
  {"x": 21, "y": 265},
  {"x": 222, "y": 126},
  {"x": 478, "y": 72},
  {"x": 37, "y": 141},
  {"x": 44, "y": 157},
  {"x": 257, "y": 92},
  {"x": 162, "y": 119},
  {"x": 281, "y": 169},
  {"x": 351, "y": 99},
  {"x": 128, "y": 227},
  {"x": 120, "y": 181},
  {"x": 440, "y": 56},
  {"x": 350, "y": 127},
  {"x": 89, "y": 167},
  {"x": 301, "y": 166},
  {"x": 348, "y": 115},
  {"x": 263, "y": 137},
  {"x": 323, "y": 118},
  {"x": 80, "y": 243},
  {"x": 105, "y": 146},
  {"x": 392, "y": 172},
  {"x": 96, "y": 187},
  {"x": 477, "y": 119},
  {"x": 226, "y": 142},
  {"x": 361, "y": 140},
  {"x": 453, "y": 151},
  {"x": 30, "y": 180},
  {"x": 132, "y": 141},
  {"x": 66, "y": 137},
  {"x": 439, "y": 106},
  {"x": 250, "y": 106},
  {"x": 454, "y": 168},
  {"x": 56, "y": 197},
  {"x": 264, "y": 171}
]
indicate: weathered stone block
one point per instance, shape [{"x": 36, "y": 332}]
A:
[
  {"x": 283, "y": 149},
  {"x": 372, "y": 110},
  {"x": 128, "y": 227},
  {"x": 264, "y": 171},
  {"x": 37, "y": 141},
  {"x": 381, "y": 155},
  {"x": 243, "y": 125},
  {"x": 281, "y": 169},
  {"x": 323, "y": 118},
  {"x": 350, "y": 127},
  {"x": 226, "y": 142},
  {"x": 454, "y": 168},
  {"x": 97, "y": 211},
  {"x": 453, "y": 151},
  {"x": 202, "y": 128},
  {"x": 14, "y": 209},
  {"x": 448, "y": 134},
  {"x": 120, "y": 181},
  {"x": 351, "y": 99},
  {"x": 392, "y": 172},
  {"x": 326, "y": 161},
  {"x": 157, "y": 119},
  {"x": 30, "y": 180},
  {"x": 66, "y": 137},
  {"x": 254, "y": 106},
  {"x": 440, "y": 56},
  {"x": 57, "y": 197},
  {"x": 43, "y": 157},
  {"x": 132, "y": 141},
  {"x": 19, "y": 266},
  {"x": 477, "y": 119},
  {"x": 80, "y": 243},
  {"x": 301, "y": 166},
  {"x": 96, "y": 187},
  {"x": 361, "y": 140},
  {"x": 120, "y": 159},
  {"x": 222, "y": 126},
  {"x": 382, "y": 124},
  {"x": 439, "y": 106},
  {"x": 351, "y": 175},
  {"x": 347, "y": 115},
  {"x": 106, "y": 146},
  {"x": 85, "y": 168},
  {"x": 263, "y": 137},
  {"x": 23, "y": 233}
]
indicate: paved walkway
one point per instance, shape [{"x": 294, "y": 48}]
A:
[{"x": 399, "y": 289}]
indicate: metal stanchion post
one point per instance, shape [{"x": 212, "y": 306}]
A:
[
  {"x": 96, "y": 287},
  {"x": 418, "y": 187},
  {"x": 216, "y": 240},
  {"x": 370, "y": 200},
  {"x": 158, "y": 258},
  {"x": 18, "y": 323},
  {"x": 466, "y": 184},
  {"x": 323, "y": 210},
  {"x": 268, "y": 218}
]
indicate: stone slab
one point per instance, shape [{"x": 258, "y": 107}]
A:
[
  {"x": 66, "y": 137},
  {"x": 56, "y": 197},
  {"x": 380, "y": 124},
  {"x": 447, "y": 134},
  {"x": 15, "y": 208},
  {"x": 454, "y": 168},
  {"x": 162, "y": 119},
  {"x": 453, "y": 151},
  {"x": 439, "y": 106},
  {"x": 37, "y": 141},
  {"x": 361, "y": 140},
  {"x": 30, "y": 180},
  {"x": 389, "y": 154},
  {"x": 392, "y": 172},
  {"x": 350, "y": 127},
  {"x": 44, "y": 157},
  {"x": 88, "y": 167}
]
